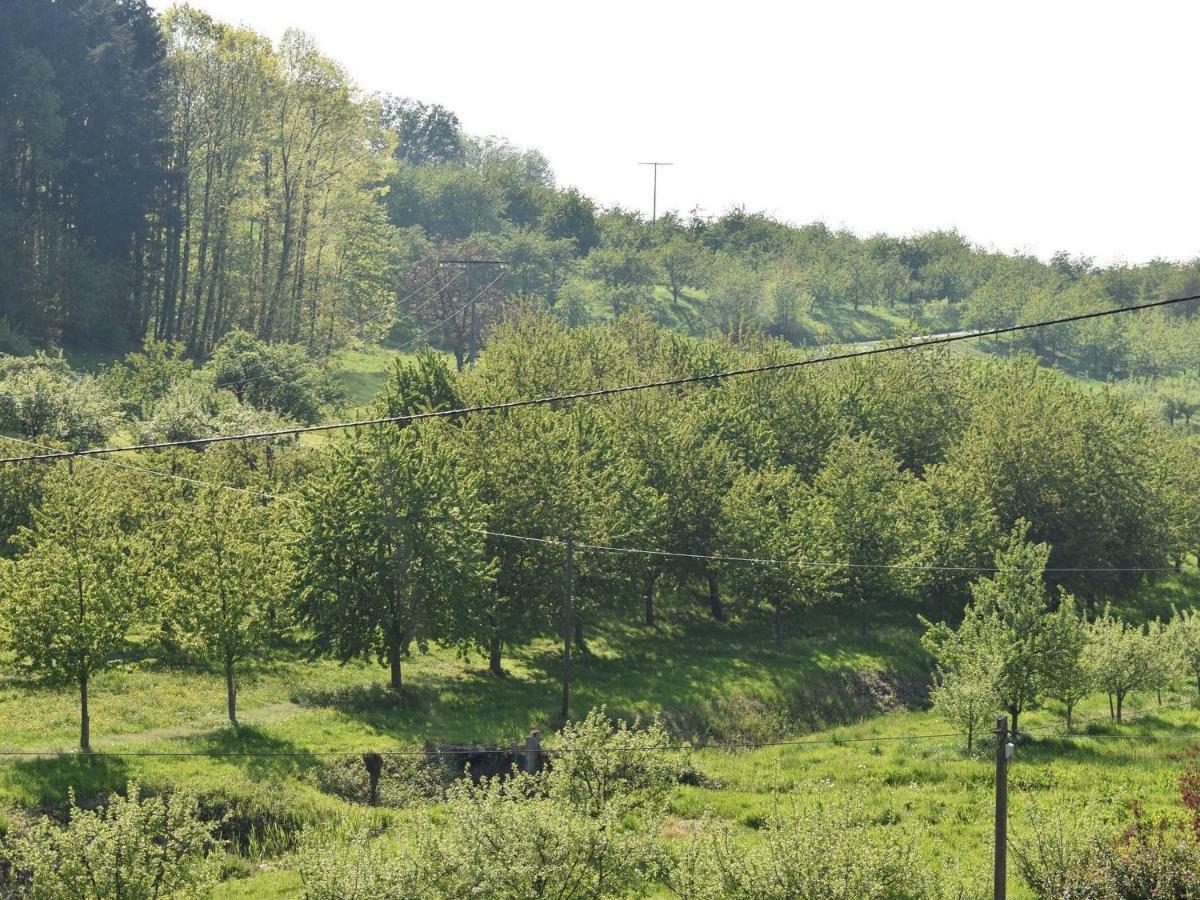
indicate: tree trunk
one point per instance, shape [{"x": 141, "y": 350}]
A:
[
  {"x": 394, "y": 659},
  {"x": 1013, "y": 712},
  {"x": 970, "y": 739},
  {"x": 1120, "y": 703},
  {"x": 714, "y": 598},
  {"x": 580, "y": 645},
  {"x": 650, "y": 582},
  {"x": 494, "y": 648},
  {"x": 85, "y": 722},
  {"x": 1112, "y": 713},
  {"x": 778, "y": 626},
  {"x": 1070, "y": 709},
  {"x": 230, "y": 691}
]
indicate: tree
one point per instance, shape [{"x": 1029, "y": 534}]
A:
[
  {"x": 281, "y": 378},
  {"x": 860, "y": 486},
  {"x": 1010, "y": 614},
  {"x": 1184, "y": 635},
  {"x": 1068, "y": 677},
  {"x": 966, "y": 696},
  {"x": 1120, "y": 657},
  {"x": 735, "y": 293},
  {"x": 1165, "y": 663},
  {"x": 572, "y": 216},
  {"x": 222, "y": 573},
  {"x": 682, "y": 261},
  {"x": 73, "y": 593},
  {"x": 389, "y": 550},
  {"x": 771, "y": 515},
  {"x": 426, "y": 134},
  {"x": 40, "y": 397}
]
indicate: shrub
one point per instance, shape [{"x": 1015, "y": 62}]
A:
[
  {"x": 276, "y": 377},
  {"x": 507, "y": 840},
  {"x": 41, "y": 397},
  {"x": 820, "y": 851},
  {"x": 601, "y": 765},
  {"x": 1147, "y": 859},
  {"x": 131, "y": 849}
]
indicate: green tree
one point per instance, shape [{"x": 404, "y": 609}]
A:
[
  {"x": 1068, "y": 677},
  {"x": 682, "y": 262},
  {"x": 966, "y": 696},
  {"x": 222, "y": 572},
  {"x": 276, "y": 377},
  {"x": 1120, "y": 657},
  {"x": 860, "y": 486},
  {"x": 1184, "y": 635},
  {"x": 1010, "y": 614},
  {"x": 771, "y": 515},
  {"x": 72, "y": 594},
  {"x": 389, "y": 550},
  {"x": 41, "y": 397}
]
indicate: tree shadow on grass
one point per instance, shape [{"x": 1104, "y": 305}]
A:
[
  {"x": 358, "y": 698},
  {"x": 42, "y": 782},
  {"x": 261, "y": 756}
]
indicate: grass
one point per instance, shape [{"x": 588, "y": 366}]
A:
[{"x": 826, "y": 680}]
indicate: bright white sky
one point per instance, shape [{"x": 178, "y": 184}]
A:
[{"x": 1032, "y": 126}]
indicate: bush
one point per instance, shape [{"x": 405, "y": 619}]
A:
[
  {"x": 132, "y": 849},
  {"x": 276, "y": 377},
  {"x": 257, "y": 819},
  {"x": 40, "y": 397},
  {"x": 817, "y": 852},
  {"x": 584, "y": 828},
  {"x": 601, "y": 765},
  {"x": 507, "y": 840},
  {"x": 1146, "y": 859}
]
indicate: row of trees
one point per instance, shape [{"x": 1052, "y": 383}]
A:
[
  {"x": 1020, "y": 644},
  {"x": 871, "y": 488}
]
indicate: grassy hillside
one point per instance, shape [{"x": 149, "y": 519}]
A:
[{"x": 857, "y": 703}]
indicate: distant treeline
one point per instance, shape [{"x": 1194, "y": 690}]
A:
[{"x": 176, "y": 178}]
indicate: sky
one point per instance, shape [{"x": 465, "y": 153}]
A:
[{"x": 1030, "y": 127}]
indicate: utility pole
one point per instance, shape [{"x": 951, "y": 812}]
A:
[
  {"x": 1003, "y": 753},
  {"x": 654, "y": 199},
  {"x": 568, "y": 630},
  {"x": 469, "y": 265}
]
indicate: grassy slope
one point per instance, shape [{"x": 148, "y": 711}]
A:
[{"x": 293, "y": 704}]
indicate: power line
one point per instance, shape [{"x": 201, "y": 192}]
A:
[
  {"x": 470, "y": 302},
  {"x": 169, "y": 475},
  {"x": 595, "y": 393},
  {"x": 814, "y": 564}
]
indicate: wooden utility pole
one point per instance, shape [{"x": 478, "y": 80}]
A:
[
  {"x": 1000, "y": 873},
  {"x": 654, "y": 196},
  {"x": 568, "y": 630}
]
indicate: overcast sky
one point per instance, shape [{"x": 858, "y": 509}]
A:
[{"x": 1028, "y": 126}]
